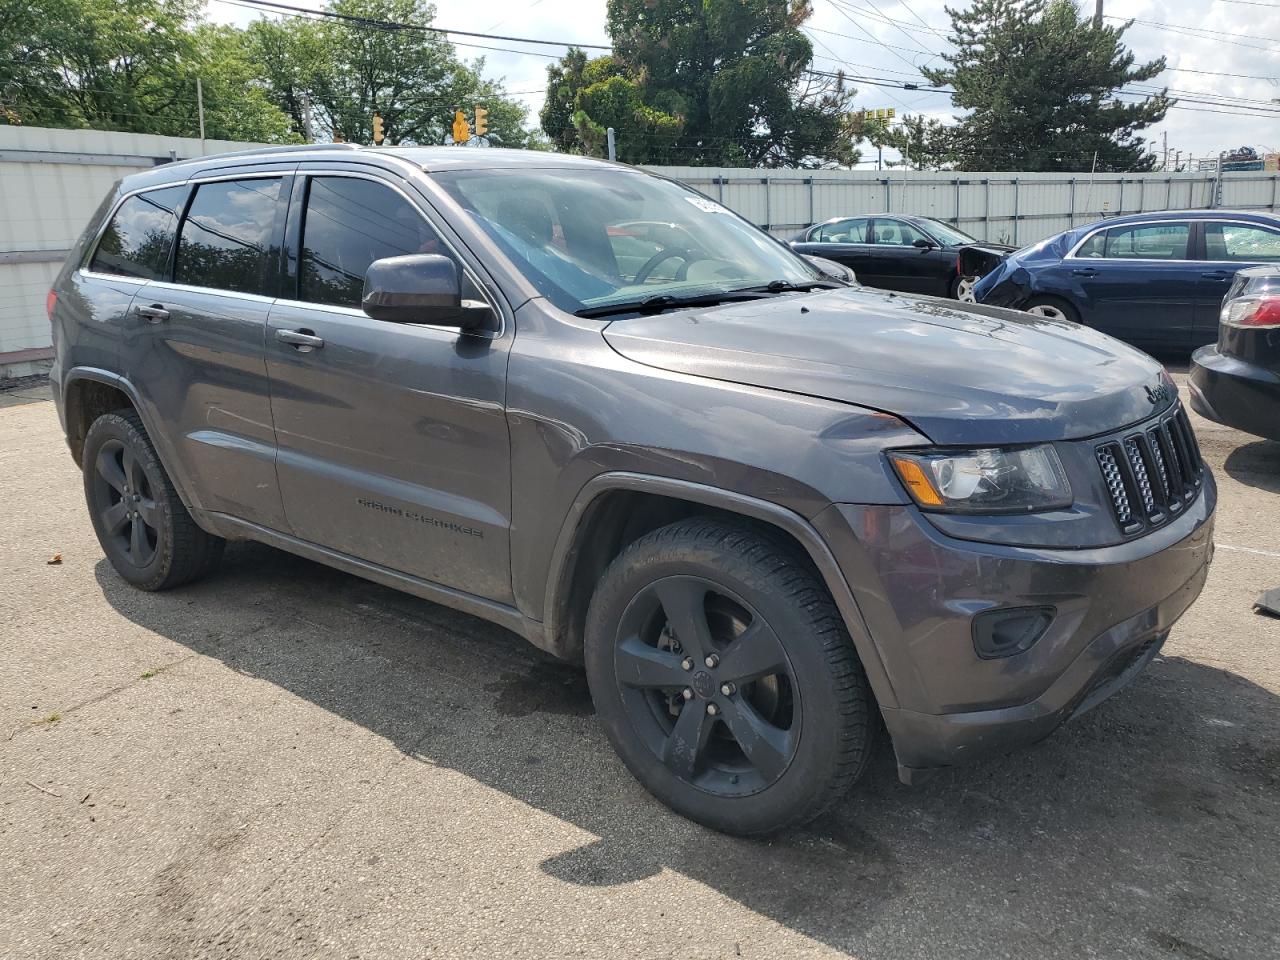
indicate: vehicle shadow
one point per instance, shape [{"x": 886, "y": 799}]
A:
[
  {"x": 1256, "y": 464},
  {"x": 1130, "y": 833}
]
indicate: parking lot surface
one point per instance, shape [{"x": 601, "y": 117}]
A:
[{"x": 286, "y": 761}]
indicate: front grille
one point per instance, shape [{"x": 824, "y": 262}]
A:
[{"x": 1153, "y": 472}]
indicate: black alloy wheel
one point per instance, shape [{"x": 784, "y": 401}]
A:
[
  {"x": 725, "y": 678},
  {"x": 707, "y": 686},
  {"x": 125, "y": 505}
]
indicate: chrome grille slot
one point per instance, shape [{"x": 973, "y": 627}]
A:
[
  {"x": 1114, "y": 479},
  {"x": 1153, "y": 473}
]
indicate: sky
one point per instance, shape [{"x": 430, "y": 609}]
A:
[{"x": 891, "y": 39}]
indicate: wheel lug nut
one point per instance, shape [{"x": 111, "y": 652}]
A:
[
  {"x": 728, "y": 689},
  {"x": 712, "y": 709},
  {"x": 687, "y": 663},
  {"x": 712, "y": 661},
  {"x": 687, "y": 693}
]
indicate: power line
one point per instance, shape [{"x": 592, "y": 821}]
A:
[
  {"x": 1199, "y": 33},
  {"x": 395, "y": 25}
]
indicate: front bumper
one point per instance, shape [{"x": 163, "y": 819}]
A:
[
  {"x": 1235, "y": 392},
  {"x": 919, "y": 590}
]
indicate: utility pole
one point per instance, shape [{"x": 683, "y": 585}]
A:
[
  {"x": 200, "y": 110},
  {"x": 306, "y": 117},
  {"x": 1097, "y": 15},
  {"x": 1166, "y": 152}
]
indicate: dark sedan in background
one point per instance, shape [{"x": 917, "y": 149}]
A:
[
  {"x": 912, "y": 254},
  {"x": 1155, "y": 280}
]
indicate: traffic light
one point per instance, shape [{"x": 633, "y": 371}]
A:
[
  {"x": 482, "y": 121},
  {"x": 378, "y": 133},
  {"x": 461, "y": 129}
]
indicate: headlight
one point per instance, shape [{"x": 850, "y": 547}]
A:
[{"x": 990, "y": 480}]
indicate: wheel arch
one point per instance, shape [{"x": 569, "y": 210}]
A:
[
  {"x": 89, "y": 392},
  {"x": 613, "y": 509}
]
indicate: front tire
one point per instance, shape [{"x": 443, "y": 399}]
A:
[
  {"x": 725, "y": 678},
  {"x": 1052, "y": 308},
  {"x": 142, "y": 524}
]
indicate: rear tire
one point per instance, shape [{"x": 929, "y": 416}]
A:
[
  {"x": 1052, "y": 308},
  {"x": 142, "y": 524},
  {"x": 962, "y": 289},
  {"x": 771, "y": 730}
]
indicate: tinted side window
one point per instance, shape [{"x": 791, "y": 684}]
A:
[
  {"x": 1238, "y": 241},
  {"x": 137, "y": 241},
  {"x": 894, "y": 233},
  {"x": 348, "y": 224},
  {"x": 1150, "y": 241},
  {"x": 843, "y": 231},
  {"x": 226, "y": 238}
]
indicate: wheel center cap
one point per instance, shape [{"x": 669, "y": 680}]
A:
[{"x": 702, "y": 684}]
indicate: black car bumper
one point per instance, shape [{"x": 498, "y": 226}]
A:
[{"x": 1235, "y": 393}]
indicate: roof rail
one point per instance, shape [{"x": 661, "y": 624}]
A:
[{"x": 261, "y": 151}]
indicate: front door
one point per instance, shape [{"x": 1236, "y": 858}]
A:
[
  {"x": 1137, "y": 282},
  {"x": 901, "y": 265},
  {"x": 194, "y": 348},
  {"x": 392, "y": 438}
]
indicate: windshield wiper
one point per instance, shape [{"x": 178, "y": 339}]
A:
[
  {"x": 786, "y": 286},
  {"x": 665, "y": 301}
]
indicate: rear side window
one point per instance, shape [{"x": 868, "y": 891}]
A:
[
  {"x": 348, "y": 224},
  {"x": 225, "y": 241},
  {"x": 843, "y": 231},
  {"x": 139, "y": 238},
  {"x": 1146, "y": 241},
  {"x": 1242, "y": 242}
]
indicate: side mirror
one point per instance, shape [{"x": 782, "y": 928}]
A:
[
  {"x": 421, "y": 288},
  {"x": 924, "y": 244},
  {"x": 832, "y": 269}
]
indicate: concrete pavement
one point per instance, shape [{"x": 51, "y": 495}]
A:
[{"x": 285, "y": 761}]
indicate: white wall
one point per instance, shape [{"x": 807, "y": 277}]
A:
[{"x": 51, "y": 181}]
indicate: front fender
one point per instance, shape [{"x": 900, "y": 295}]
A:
[{"x": 576, "y": 529}]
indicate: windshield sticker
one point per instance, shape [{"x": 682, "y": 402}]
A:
[{"x": 707, "y": 206}]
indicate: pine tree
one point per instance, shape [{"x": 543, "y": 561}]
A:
[{"x": 1042, "y": 85}]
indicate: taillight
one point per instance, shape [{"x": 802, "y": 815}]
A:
[
  {"x": 1255, "y": 313},
  {"x": 50, "y": 302}
]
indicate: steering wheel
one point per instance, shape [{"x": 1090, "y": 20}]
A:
[{"x": 662, "y": 256}]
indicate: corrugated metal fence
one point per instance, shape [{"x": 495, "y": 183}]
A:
[
  {"x": 51, "y": 181},
  {"x": 1016, "y": 208}
]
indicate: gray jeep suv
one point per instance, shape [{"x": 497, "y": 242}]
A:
[{"x": 768, "y": 510}]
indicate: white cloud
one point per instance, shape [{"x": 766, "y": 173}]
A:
[{"x": 895, "y": 51}]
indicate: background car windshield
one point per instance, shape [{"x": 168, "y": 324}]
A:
[
  {"x": 591, "y": 238},
  {"x": 946, "y": 233}
]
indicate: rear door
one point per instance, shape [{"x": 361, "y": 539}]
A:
[
  {"x": 393, "y": 442},
  {"x": 844, "y": 241},
  {"x": 1226, "y": 246},
  {"x": 194, "y": 344},
  {"x": 1138, "y": 282}
]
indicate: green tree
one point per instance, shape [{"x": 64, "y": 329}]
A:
[
  {"x": 704, "y": 82},
  {"x": 925, "y": 144},
  {"x": 1041, "y": 85},
  {"x": 130, "y": 65}
]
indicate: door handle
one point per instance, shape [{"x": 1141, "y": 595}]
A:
[
  {"x": 156, "y": 313},
  {"x": 304, "y": 340},
  {"x": 1084, "y": 272},
  {"x": 1218, "y": 275}
]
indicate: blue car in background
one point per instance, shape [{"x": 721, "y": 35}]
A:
[{"x": 1155, "y": 280}]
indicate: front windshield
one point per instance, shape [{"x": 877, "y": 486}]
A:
[
  {"x": 946, "y": 233},
  {"x": 591, "y": 238}
]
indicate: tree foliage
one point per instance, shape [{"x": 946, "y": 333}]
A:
[
  {"x": 704, "y": 82},
  {"x": 1041, "y": 83},
  {"x": 129, "y": 65},
  {"x": 132, "y": 65}
]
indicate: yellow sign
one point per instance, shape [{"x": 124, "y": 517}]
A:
[
  {"x": 461, "y": 129},
  {"x": 482, "y": 121},
  {"x": 880, "y": 113},
  {"x": 378, "y": 133}
]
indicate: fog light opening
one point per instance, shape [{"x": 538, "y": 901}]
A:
[{"x": 1010, "y": 630}]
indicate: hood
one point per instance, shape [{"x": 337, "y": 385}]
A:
[{"x": 970, "y": 374}]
